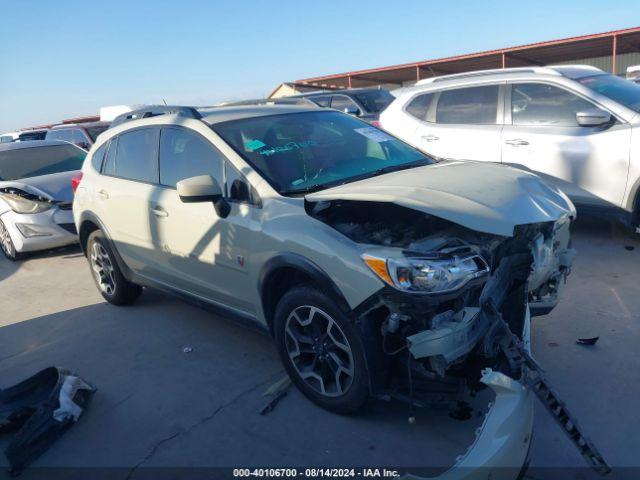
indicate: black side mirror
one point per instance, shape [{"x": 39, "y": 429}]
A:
[{"x": 239, "y": 191}]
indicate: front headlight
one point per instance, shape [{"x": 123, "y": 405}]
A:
[
  {"x": 23, "y": 205},
  {"x": 432, "y": 274}
]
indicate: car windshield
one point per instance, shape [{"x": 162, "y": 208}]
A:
[
  {"x": 374, "y": 101},
  {"x": 303, "y": 152},
  {"x": 35, "y": 161},
  {"x": 95, "y": 131},
  {"x": 618, "y": 89}
]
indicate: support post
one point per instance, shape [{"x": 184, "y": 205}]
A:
[{"x": 613, "y": 54}]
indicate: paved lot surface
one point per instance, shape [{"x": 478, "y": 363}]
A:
[{"x": 158, "y": 406}]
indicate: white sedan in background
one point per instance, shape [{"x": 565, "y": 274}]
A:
[{"x": 36, "y": 195}]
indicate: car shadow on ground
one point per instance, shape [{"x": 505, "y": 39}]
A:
[{"x": 161, "y": 405}]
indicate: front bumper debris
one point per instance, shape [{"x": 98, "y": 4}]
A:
[
  {"x": 502, "y": 442},
  {"x": 455, "y": 337}
]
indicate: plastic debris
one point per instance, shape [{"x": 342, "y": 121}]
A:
[
  {"x": 40, "y": 409},
  {"x": 282, "y": 384},
  {"x": 187, "y": 350},
  {"x": 587, "y": 341},
  {"x": 273, "y": 402},
  {"x": 278, "y": 390}
]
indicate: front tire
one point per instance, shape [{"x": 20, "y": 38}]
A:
[
  {"x": 108, "y": 277},
  {"x": 6, "y": 244},
  {"x": 321, "y": 350}
]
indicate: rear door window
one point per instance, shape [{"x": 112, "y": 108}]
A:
[
  {"x": 137, "y": 155},
  {"x": 468, "y": 106},
  {"x": 186, "y": 154}
]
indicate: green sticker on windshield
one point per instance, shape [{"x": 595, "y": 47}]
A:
[{"x": 254, "y": 145}]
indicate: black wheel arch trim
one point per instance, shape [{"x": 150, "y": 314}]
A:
[
  {"x": 305, "y": 266},
  {"x": 89, "y": 216},
  {"x": 328, "y": 287}
]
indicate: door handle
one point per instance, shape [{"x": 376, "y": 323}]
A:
[
  {"x": 103, "y": 194},
  {"x": 516, "y": 142},
  {"x": 159, "y": 212},
  {"x": 430, "y": 138}
]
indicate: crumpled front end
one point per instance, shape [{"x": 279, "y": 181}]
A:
[{"x": 442, "y": 328}]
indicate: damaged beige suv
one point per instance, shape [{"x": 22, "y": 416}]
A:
[{"x": 379, "y": 272}]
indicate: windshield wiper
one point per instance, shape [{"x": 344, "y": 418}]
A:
[
  {"x": 373, "y": 173},
  {"x": 312, "y": 188},
  {"x": 396, "y": 168}
]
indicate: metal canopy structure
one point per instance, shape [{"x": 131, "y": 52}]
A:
[{"x": 608, "y": 44}]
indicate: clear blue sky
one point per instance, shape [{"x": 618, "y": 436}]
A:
[{"x": 66, "y": 58}]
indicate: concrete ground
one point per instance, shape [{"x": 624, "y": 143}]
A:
[{"x": 158, "y": 406}]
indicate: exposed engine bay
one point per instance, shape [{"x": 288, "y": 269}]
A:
[
  {"x": 434, "y": 321},
  {"x": 454, "y": 316}
]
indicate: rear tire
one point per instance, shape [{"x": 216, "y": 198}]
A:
[
  {"x": 321, "y": 350},
  {"x": 6, "y": 244},
  {"x": 106, "y": 273}
]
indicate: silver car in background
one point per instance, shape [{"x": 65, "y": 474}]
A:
[
  {"x": 575, "y": 126},
  {"x": 36, "y": 195}
]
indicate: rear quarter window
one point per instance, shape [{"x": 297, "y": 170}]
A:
[
  {"x": 97, "y": 157},
  {"x": 419, "y": 106}
]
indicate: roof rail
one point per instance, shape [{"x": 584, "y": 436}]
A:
[
  {"x": 295, "y": 100},
  {"x": 482, "y": 73},
  {"x": 154, "y": 111}
]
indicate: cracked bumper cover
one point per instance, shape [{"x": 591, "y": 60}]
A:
[{"x": 501, "y": 447}]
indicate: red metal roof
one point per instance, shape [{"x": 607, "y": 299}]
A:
[
  {"x": 85, "y": 119},
  {"x": 540, "y": 53}
]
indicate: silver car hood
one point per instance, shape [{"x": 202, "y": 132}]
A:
[
  {"x": 485, "y": 197},
  {"x": 56, "y": 186}
]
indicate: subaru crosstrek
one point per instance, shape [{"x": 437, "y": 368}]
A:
[{"x": 377, "y": 271}]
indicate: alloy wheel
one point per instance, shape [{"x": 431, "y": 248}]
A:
[
  {"x": 5, "y": 242},
  {"x": 102, "y": 268},
  {"x": 319, "y": 351}
]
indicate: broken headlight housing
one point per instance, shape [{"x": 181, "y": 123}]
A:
[
  {"x": 20, "y": 204},
  {"x": 429, "y": 274}
]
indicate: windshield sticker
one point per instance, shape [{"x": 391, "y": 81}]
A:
[
  {"x": 268, "y": 151},
  {"x": 254, "y": 145},
  {"x": 374, "y": 134}
]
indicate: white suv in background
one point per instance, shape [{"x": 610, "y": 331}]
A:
[{"x": 576, "y": 126}]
